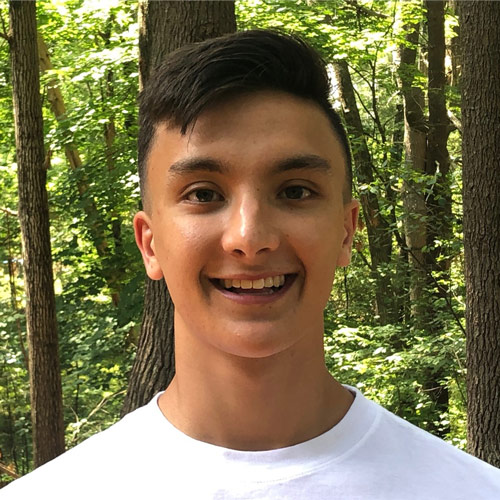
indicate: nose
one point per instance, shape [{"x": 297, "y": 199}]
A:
[{"x": 249, "y": 229}]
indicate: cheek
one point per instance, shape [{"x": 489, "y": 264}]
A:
[
  {"x": 317, "y": 238},
  {"x": 186, "y": 246},
  {"x": 318, "y": 243}
]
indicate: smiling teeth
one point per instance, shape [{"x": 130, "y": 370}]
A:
[{"x": 255, "y": 284}]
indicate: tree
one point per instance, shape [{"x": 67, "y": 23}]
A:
[
  {"x": 45, "y": 377},
  {"x": 438, "y": 158},
  {"x": 438, "y": 199},
  {"x": 164, "y": 27},
  {"x": 415, "y": 143},
  {"x": 480, "y": 37}
]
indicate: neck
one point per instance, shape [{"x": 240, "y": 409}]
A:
[{"x": 253, "y": 404}]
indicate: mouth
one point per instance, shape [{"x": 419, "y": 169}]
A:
[{"x": 270, "y": 287}]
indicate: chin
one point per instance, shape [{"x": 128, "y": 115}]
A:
[{"x": 258, "y": 343}]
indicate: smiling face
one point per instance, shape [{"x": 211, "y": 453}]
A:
[{"x": 246, "y": 222}]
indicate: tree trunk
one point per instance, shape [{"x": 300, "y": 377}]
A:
[
  {"x": 415, "y": 145},
  {"x": 168, "y": 25},
  {"x": 379, "y": 231},
  {"x": 438, "y": 201},
  {"x": 154, "y": 365},
  {"x": 45, "y": 377},
  {"x": 455, "y": 49},
  {"x": 164, "y": 27},
  {"x": 480, "y": 32}
]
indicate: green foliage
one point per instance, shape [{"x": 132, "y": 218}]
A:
[
  {"x": 387, "y": 363},
  {"x": 93, "y": 50}
]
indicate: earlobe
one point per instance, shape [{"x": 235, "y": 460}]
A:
[
  {"x": 351, "y": 214},
  {"x": 144, "y": 238}
]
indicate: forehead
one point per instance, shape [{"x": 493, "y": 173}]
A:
[{"x": 251, "y": 134}]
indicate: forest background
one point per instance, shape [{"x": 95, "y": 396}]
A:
[{"x": 395, "y": 324}]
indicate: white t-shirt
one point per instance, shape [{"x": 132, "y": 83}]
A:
[{"x": 369, "y": 454}]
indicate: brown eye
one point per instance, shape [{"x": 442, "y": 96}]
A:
[
  {"x": 296, "y": 193},
  {"x": 204, "y": 196}
]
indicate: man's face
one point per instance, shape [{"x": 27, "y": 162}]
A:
[{"x": 245, "y": 221}]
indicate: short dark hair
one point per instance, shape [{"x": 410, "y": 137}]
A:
[{"x": 198, "y": 75}]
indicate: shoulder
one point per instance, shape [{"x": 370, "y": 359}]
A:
[
  {"x": 103, "y": 459},
  {"x": 421, "y": 464}
]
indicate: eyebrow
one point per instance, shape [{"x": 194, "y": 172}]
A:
[
  {"x": 196, "y": 164},
  {"x": 187, "y": 166},
  {"x": 304, "y": 162}
]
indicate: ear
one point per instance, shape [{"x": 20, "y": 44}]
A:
[
  {"x": 144, "y": 238},
  {"x": 351, "y": 214}
]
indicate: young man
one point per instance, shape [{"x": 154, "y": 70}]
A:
[{"x": 246, "y": 183}]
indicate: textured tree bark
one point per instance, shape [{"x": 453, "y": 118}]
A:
[
  {"x": 480, "y": 32},
  {"x": 45, "y": 377},
  {"x": 164, "y": 27},
  {"x": 378, "y": 228}
]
